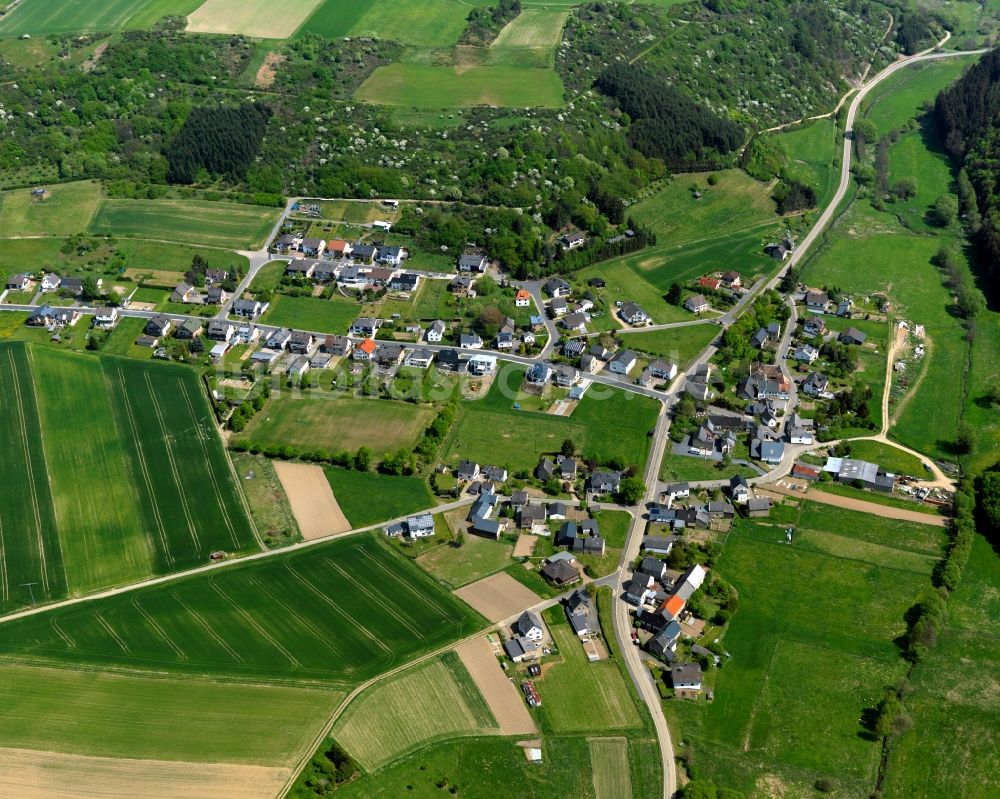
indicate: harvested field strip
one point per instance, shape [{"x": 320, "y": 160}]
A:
[
  {"x": 427, "y": 702},
  {"x": 503, "y": 698},
  {"x": 610, "y": 766},
  {"x": 498, "y": 596},
  {"x": 311, "y": 622},
  {"x": 33, "y": 774},
  {"x": 258, "y": 18},
  {"x": 533, "y": 28},
  {"x": 313, "y": 504}
]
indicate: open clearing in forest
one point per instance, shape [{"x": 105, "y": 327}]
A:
[
  {"x": 533, "y": 27},
  {"x": 32, "y": 774},
  {"x": 498, "y": 596},
  {"x": 431, "y": 701},
  {"x": 323, "y": 613},
  {"x": 258, "y": 18},
  {"x": 113, "y": 471},
  {"x": 313, "y": 504},
  {"x": 503, "y": 698}
]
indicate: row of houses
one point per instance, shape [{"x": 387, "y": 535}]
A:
[
  {"x": 354, "y": 276},
  {"x": 49, "y": 282}
]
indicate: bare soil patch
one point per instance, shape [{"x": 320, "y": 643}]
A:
[
  {"x": 313, "y": 504},
  {"x": 499, "y": 692},
  {"x": 268, "y": 70},
  {"x": 525, "y": 545},
  {"x": 498, "y": 596},
  {"x": 30, "y": 774}
]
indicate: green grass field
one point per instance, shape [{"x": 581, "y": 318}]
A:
[
  {"x": 811, "y": 649},
  {"x": 431, "y": 701},
  {"x": 154, "y": 10},
  {"x": 226, "y": 225},
  {"x": 890, "y": 458},
  {"x": 900, "y": 97},
  {"x": 491, "y": 431},
  {"x": 684, "y": 467},
  {"x": 677, "y": 344},
  {"x": 457, "y": 566},
  {"x": 335, "y": 422},
  {"x": 952, "y": 748},
  {"x": 116, "y": 715},
  {"x": 70, "y": 16},
  {"x": 575, "y": 683},
  {"x": 324, "y": 613},
  {"x": 626, "y": 284},
  {"x": 428, "y": 86},
  {"x": 532, "y": 28},
  {"x": 609, "y": 761},
  {"x": 812, "y": 156},
  {"x": 65, "y": 210},
  {"x": 142, "y": 487},
  {"x": 421, "y": 23},
  {"x": 367, "y": 498},
  {"x": 311, "y": 313}
]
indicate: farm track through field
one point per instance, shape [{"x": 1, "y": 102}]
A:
[
  {"x": 161, "y": 529},
  {"x": 200, "y": 436},
  {"x": 54, "y": 624},
  {"x": 295, "y": 662},
  {"x": 168, "y": 448},
  {"x": 112, "y": 632},
  {"x": 29, "y": 466},
  {"x": 4, "y": 591}
]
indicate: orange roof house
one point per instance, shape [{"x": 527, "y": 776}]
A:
[
  {"x": 674, "y": 605},
  {"x": 706, "y": 282},
  {"x": 367, "y": 346}
]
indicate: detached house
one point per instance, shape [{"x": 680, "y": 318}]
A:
[
  {"x": 472, "y": 263},
  {"x": 522, "y": 299},
  {"x": 219, "y": 330},
  {"x": 436, "y": 331},
  {"x": 159, "y": 326},
  {"x": 314, "y": 248},
  {"x": 816, "y": 301},
  {"x": 632, "y": 314},
  {"x": 623, "y": 362},
  {"x": 696, "y": 303},
  {"x": 365, "y": 327},
  {"x": 249, "y": 309},
  {"x": 556, "y": 287}
]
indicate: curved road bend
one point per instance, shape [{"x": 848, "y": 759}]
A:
[{"x": 640, "y": 675}]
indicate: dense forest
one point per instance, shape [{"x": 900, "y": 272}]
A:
[
  {"x": 485, "y": 22},
  {"x": 666, "y": 123},
  {"x": 221, "y": 141},
  {"x": 968, "y": 115}
]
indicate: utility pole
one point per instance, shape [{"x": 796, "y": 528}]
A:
[{"x": 31, "y": 591}]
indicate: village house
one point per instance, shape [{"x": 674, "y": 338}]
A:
[
  {"x": 302, "y": 267},
  {"x": 297, "y": 368},
  {"x": 816, "y": 301},
  {"x": 686, "y": 677},
  {"x": 338, "y": 248},
  {"x": 852, "y": 336},
  {"x": 216, "y": 295},
  {"x": 470, "y": 341},
  {"x": 461, "y": 286},
  {"x": 365, "y": 350},
  {"x": 815, "y": 384},
  {"x": 558, "y": 307},
  {"x": 365, "y": 327},
  {"x": 581, "y": 614},
  {"x": 300, "y": 342},
  {"x": 481, "y": 364},
  {"x": 159, "y": 326},
  {"x": 338, "y": 346},
  {"x": 19, "y": 282},
  {"x": 739, "y": 489},
  {"x": 623, "y": 362},
  {"x": 731, "y": 279},
  {"x": 389, "y": 356},
  {"x": 420, "y": 358},
  {"x": 50, "y": 282},
  {"x": 190, "y": 329},
  {"x": 604, "y": 482},
  {"x": 522, "y": 299},
  {"x": 219, "y": 330},
  {"x": 707, "y": 282},
  {"x": 286, "y": 242},
  {"x": 575, "y": 322},
  {"x": 632, "y": 314},
  {"x": 249, "y": 309},
  {"x": 472, "y": 263},
  {"x": 556, "y": 287},
  {"x": 696, "y": 303},
  {"x": 405, "y": 282},
  {"x": 313, "y": 248},
  {"x": 560, "y": 572},
  {"x": 814, "y": 326},
  {"x": 570, "y": 241},
  {"x": 106, "y": 318},
  {"x": 436, "y": 331}
]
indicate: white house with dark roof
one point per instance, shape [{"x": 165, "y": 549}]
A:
[{"x": 697, "y": 303}]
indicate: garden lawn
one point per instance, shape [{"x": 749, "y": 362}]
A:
[
  {"x": 230, "y": 226},
  {"x": 335, "y": 423},
  {"x": 108, "y": 715},
  {"x": 320, "y": 614},
  {"x": 429, "y": 86},
  {"x": 888, "y": 457},
  {"x": 478, "y": 557},
  {"x": 367, "y": 498},
  {"x": 812, "y": 646},
  {"x": 691, "y": 467},
  {"x": 67, "y": 208},
  {"x": 625, "y": 284},
  {"x": 404, "y": 713},
  {"x": 311, "y": 313},
  {"x": 492, "y": 431},
  {"x": 579, "y": 696}
]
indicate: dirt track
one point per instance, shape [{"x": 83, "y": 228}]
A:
[
  {"x": 500, "y": 694},
  {"x": 29, "y": 774},
  {"x": 313, "y": 504},
  {"x": 885, "y": 511},
  {"x": 498, "y": 596}
]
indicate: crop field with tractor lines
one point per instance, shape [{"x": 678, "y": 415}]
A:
[
  {"x": 122, "y": 475},
  {"x": 317, "y": 614}
]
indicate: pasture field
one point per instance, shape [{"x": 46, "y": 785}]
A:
[
  {"x": 230, "y": 226},
  {"x": 160, "y": 257},
  {"x": 575, "y": 683},
  {"x": 966, "y": 761},
  {"x": 66, "y": 209},
  {"x": 684, "y": 467},
  {"x": 736, "y": 202},
  {"x": 481, "y": 768},
  {"x": 861, "y": 237},
  {"x": 677, "y": 344},
  {"x": 143, "y": 487},
  {"x": 268, "y": 277},
  {"x": 533, "y": 27},
  {"x": 899, "y": 98},
  {"x": 268, "y": 501},
  {"x": 316, "y": 614},
  {"x": 108, "y": 715},
  {"x": 813, "y": 647},
  {"x": 311, "y": 313},
  {"x": 490, "y": 430},
  {"x": 155, "y": 10},
  {"x": 337, "y": 423},
  {"x": 813, "y": 154},
  {"x": 428, "y": 86},
  {"x": 69, "y": 16},
  {"x": 420, "y": 23},
  {"x": 476, "y": 558},
  {"x": 431, "y": 701},
  {"x": 257, "y": 18},
  {"x": 368, "y": 498},
  {"x": 609, "y": 763}
]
